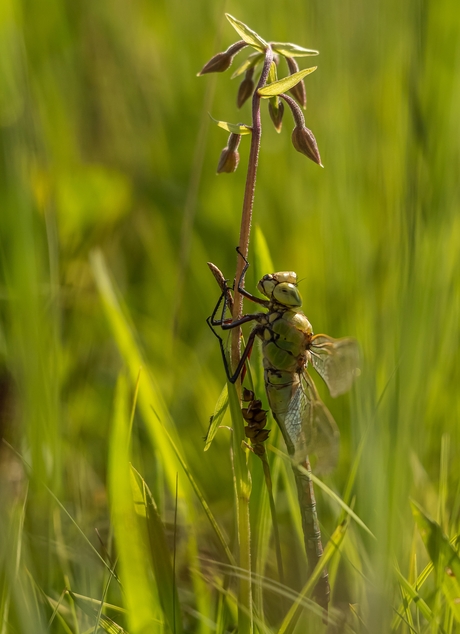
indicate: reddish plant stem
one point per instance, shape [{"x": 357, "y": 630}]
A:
[{"x": 248, "y": 202}]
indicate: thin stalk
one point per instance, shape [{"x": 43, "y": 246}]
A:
[{"x": 248, "y": 202}]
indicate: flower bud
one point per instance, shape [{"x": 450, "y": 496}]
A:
[
  {"x": 230, "y": 157},
  {"x": 304, "y": 142},
  {"x": 221, "y": 61},
  {"x": 276, "y": 114},
  {"x": 228, "y": 161},
  {"x": 217, "y": 64},
  {"x": 244, "y": 91},
  {"x": 298, "y": 91}
]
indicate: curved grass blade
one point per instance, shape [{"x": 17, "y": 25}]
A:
[
  {"x": 150, "y": 399},
  {"x": 248, "y": 35},
  {"x": 292, "y": 50},
  {"x": 445, "y": 559},
  {"x": 105, "y": 623},
  {"x": 285, "y": 84},
  {"x": 144, "y": 609},
  {"x": 331, "y": 548},
  {"x": 159, "y": 551},
  {"x": 328, "y": 491},
  {"x": 415, "y": 597},
  {"x": 204, "y": 504},
  {"x": 216, "y": 419}
]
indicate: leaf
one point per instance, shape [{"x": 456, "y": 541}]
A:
[
  {"x": 331, "y": 548},
  {"x": 105, "y": 623},
  {"x": 248, "y": 35},
  {"x": 251, "y": 61},
  {"x": 219, "y": 413},
  {"x": 144, "y": 609},
  {"x": 292, "y": 50},
  {"x": 414, "y": 596},
  {"x": 285, "y": 84},
  {"x": 236, "y": 128},
  {"x": 445, "y": 559},
  {"x": 159, "y": 551}
]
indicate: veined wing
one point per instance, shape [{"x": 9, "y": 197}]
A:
[
  {"x": 311, "y": 427},
  {"x": 336, "y": 361}
]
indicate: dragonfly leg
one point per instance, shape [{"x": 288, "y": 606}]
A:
[
  {"x": 242, "y": 290},
  {"x": 246, "y": 352},
  {"x": 223, "y": 296}
]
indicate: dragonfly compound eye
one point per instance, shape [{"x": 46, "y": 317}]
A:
[{"x": 287, "y": 294}]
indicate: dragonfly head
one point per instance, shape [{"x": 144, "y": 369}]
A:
[{"x": 281, "y": 287}]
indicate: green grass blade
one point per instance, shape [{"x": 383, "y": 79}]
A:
[
  {"x": 445, "y": 559},
  {"x": 243, "y": 492},
  {"x": 204, "y": 504},
  {"x": 159, "y": 551},
  {"x": 331, "y": 548},
  {"x": 144, "y": 611},
  {"x": 151, "y": 402},
  {"x": 219, "y": 413}
]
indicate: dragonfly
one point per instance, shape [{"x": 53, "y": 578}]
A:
[{"x": 289, "y": 347}]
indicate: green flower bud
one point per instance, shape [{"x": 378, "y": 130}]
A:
[{"x": 304, "y": 142}]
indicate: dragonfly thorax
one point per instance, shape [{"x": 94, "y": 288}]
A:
[{"x": 281, "y": 287}]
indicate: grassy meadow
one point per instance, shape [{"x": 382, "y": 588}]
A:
[{"x": 113, "y": 518}]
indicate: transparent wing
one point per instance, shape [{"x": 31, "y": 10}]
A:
[
  {"x": 336, "y": 361},
  {"x": 311, "y": 427}
]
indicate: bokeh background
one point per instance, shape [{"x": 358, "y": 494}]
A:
[{"x": 110, "y": 208}]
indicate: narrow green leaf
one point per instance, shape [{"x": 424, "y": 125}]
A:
[
  {"x": 243, "y": 491},
  {"x": 144, "y": 610},
  {"x": 331, "y": 548},
  {"x": 251, "y": 61},
  {"x": 285, "y": 84},
  {"x": 219, "y": 413},
  {"x": 445, "y": 559},
  {"x": 151, "y": 402},
  {"x": 105, "y": 623},
  {"x": 292, "y": 50},
  {"x": 159, "y": 551},
  {"x": 328, "y": 491},
  {"x": 415, "y": 597},
  {"x": 203, "y": 502},
  {"x": 247, "y": 34},
  {"x": 236, "y": 128},
  {"x": 262, "y": 259}
]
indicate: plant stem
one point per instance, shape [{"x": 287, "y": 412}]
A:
[{"x": 248, "y": 202}]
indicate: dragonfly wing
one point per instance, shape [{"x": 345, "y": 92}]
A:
[
  {"x": 336, "y": 361},
  {"x": 311, "y": 427}
]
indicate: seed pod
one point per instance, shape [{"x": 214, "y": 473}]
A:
[{"x": 304, "y": 142}]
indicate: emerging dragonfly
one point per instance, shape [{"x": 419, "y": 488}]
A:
[{"x": 307, "y": 426}]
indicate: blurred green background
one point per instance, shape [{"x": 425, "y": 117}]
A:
[{"x": 107, "y": 165}]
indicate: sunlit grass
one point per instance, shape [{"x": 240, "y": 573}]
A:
[{"x": 99, "y": 116}]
